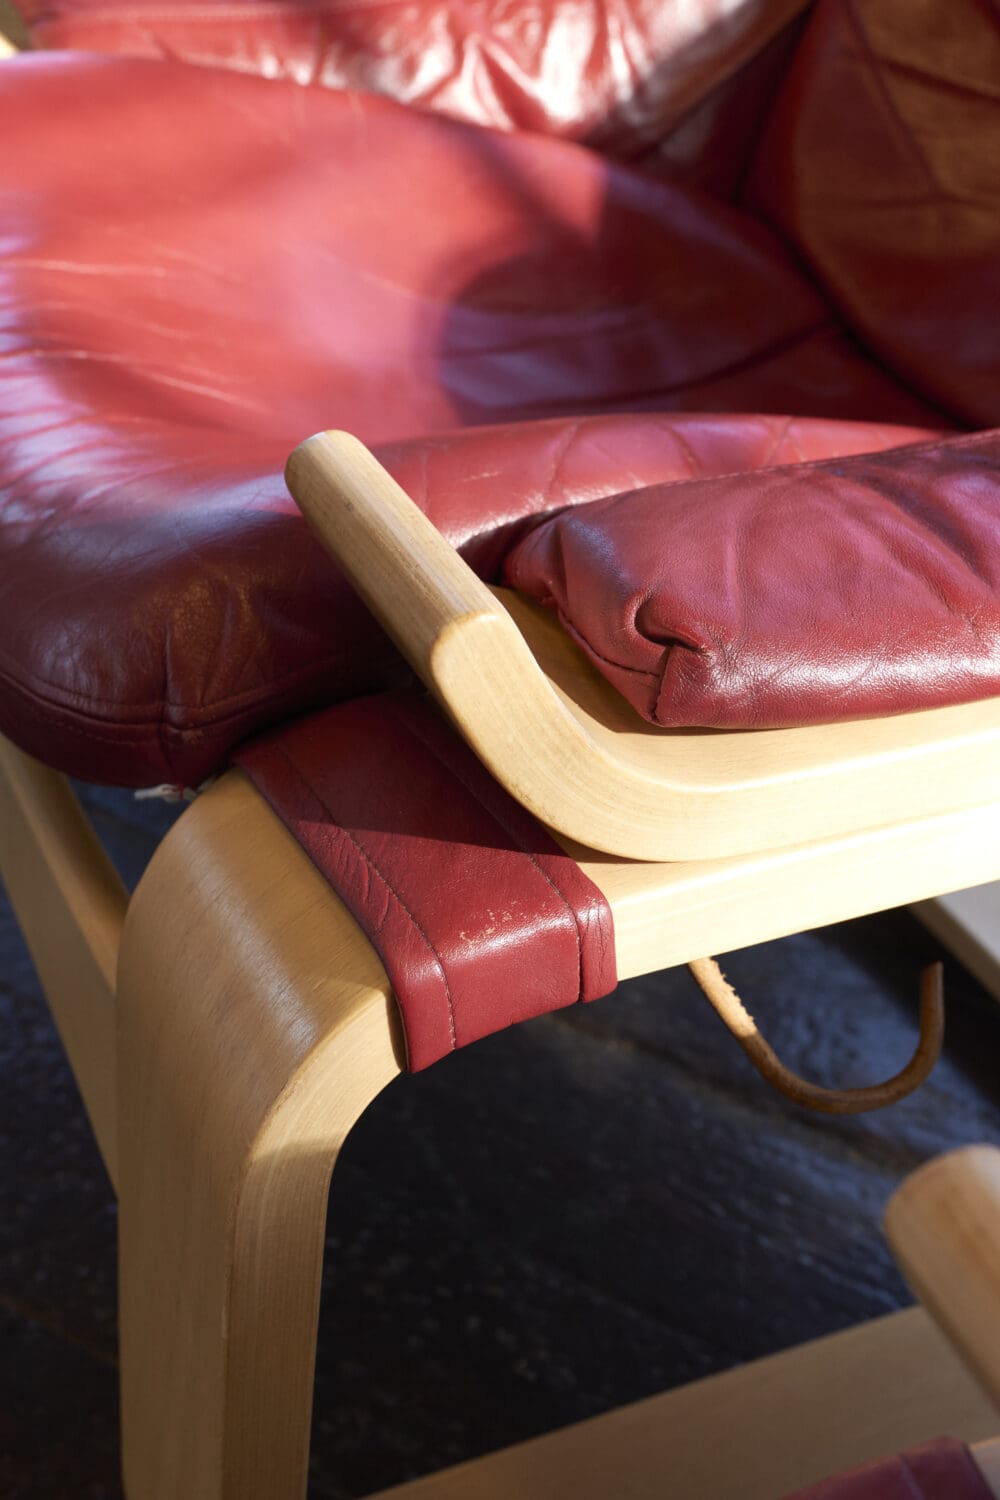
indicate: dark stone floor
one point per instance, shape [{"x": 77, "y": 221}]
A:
[{"x": 568, "y": 1216}]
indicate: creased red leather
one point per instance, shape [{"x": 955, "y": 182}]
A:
[
  {"x": 620, "y": 74},
  {"x": 184, "y": 300},
  {"x": 479, "y": 917},
  {"x": 231, "y": 261},
  {"x": 712, "y": 145},
  {"x": 148, "y": 626},
  {"x": 942, "y": 1470},
  {"x": 847, "y": 588},
  {"x": 881, "y": 162}
]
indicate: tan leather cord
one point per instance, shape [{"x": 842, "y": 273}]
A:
[{"x": 734, "y": 1013}]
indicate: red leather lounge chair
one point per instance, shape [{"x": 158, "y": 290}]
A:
[{"x": 738, "y": 262}]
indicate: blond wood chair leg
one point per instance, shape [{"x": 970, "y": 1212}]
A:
[
  {"x": 70, "y": 905},
  {"x": 255, "y": 1028}
]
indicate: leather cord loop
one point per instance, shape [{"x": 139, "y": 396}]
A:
[{"x": 728, "y": 1005}]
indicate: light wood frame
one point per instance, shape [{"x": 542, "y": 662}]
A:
[
  {"x": 229, "y": 1025},
  {"x": 244, "y": 1029},
  {"x": 759, "y": 1432}
]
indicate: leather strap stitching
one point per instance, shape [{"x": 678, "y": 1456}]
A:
[
  {"x": 373, "y": 867},
  {"x": 458, "y": 772}
]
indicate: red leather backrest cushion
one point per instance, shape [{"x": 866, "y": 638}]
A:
[
  {"x": 622, "y": 75},
  {"x": 881, "y": 162}
]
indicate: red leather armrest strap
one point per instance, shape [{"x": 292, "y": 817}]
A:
[
  {"x": 942, "y": 1470},
  {"x": 479, "y": 917}
]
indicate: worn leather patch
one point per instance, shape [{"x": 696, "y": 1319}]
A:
[{"x": 479, "y": 917}]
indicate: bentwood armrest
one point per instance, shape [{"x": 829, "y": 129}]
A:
[{"x": 564, "y": 742}]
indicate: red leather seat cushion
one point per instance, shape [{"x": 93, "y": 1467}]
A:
[
  {"x": 881, "y": 163},
  {"x": 942, "y": 1470},
  {"x": 198, "y": 269},
  {"x": 144, "y": 634},
  {"x": 834, "y": 590}
]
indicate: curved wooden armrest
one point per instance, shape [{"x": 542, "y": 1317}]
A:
[
  {"x": 427, "y": 598},
  {"x": 944, "y": 1228},
  {"x": 569, "y": 747}
]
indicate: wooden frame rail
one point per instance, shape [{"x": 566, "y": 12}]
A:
[{"x": 761, "y": 1431}]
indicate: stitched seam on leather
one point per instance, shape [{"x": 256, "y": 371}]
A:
[
  {"x": 511, "y": 834},
  {"x": 148, "y": 732},
  {"x": 619, "y": 666},
  {"x": 538, "y": 520},
  {"x": 563, "y": 445},
  {"x": 657, "y": 676},
  {"x": 248, "y": 697},
  {"x": 878, "y": 77},
  {"x": 369, "y": 861},
  {"x": 653, "y": 673},
  {"x": 675, "y": 425},
  {"x": 990, "y": 437}
]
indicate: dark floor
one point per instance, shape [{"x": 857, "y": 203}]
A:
[{"x": 568, "y": 1216}]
